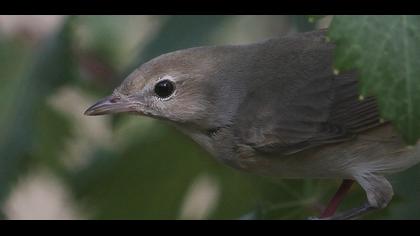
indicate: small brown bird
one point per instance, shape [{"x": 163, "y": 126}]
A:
[{"x": 273, "y": 108}]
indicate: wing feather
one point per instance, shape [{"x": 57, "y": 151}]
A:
[{"x": 303, "y": 104}]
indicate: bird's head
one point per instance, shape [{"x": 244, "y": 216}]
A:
[{"x": 183, "y": 87}]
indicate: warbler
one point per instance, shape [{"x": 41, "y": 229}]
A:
[{"x": 274, "y": 108}]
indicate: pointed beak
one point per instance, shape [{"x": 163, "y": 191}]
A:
[{"x": 110, "y": 105}]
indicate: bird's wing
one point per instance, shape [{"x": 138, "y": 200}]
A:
[
  {"x": 311, "y": 121},
  {"x": 314, "y": 107}
]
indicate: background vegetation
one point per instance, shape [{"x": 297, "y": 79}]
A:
[{"x": 56, "y": 163}]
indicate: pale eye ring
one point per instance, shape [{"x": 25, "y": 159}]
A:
[{"x": 164, "y": 88}]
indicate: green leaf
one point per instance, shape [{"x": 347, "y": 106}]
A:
[{"x": 385, "y": 50}]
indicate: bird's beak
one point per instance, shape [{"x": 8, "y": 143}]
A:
[{"x": 110, "y": 105}]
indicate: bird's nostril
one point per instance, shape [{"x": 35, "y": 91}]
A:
[{"x": 114, "y": 100}]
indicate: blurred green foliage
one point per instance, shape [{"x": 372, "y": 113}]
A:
[{"x": 126, "y": 167}]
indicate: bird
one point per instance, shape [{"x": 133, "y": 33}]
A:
[{"x": 274, "y": 108}]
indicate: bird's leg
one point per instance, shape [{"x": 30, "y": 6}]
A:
[
  {"x": 336, "y": 200},
  {"x": 353, "y": 213}
]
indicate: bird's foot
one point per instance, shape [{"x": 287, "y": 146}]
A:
[{"x": 347, "y": 215}]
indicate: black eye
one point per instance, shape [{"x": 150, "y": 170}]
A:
[{"x": 164, "y": 88}]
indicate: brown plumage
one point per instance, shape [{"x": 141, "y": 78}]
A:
[{"x": 273, "y": 108}]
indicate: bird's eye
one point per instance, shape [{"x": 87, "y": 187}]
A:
[{"x": 164, "y": 88}]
